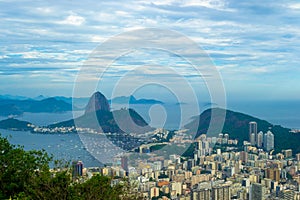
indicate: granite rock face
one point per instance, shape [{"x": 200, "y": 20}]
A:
[{"x": 97, "y": 102}]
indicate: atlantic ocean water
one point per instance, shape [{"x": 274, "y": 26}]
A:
[{"x": 69, "y": 146}]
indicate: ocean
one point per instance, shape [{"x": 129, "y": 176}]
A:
[{"x": 70, "y": 147}]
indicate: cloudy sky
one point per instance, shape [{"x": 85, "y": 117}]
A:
[{"x": 254, "y": 45}]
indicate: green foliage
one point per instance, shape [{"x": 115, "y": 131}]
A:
[
  {"x": 157, "y": 147},
  {"x": 151, "y": 179},
  {"x": 18, "y": 167},
  {"x": 25, "y": 175},
  {"x": 98, "y": 187},
  {"x": 171, "y": 134},
  {"x": 163, "y": 176},
  {"x": 45, "y": 185},
  {"x": 190, "y": 151}
]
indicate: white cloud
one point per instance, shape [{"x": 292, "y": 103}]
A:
[
  {"x": 259, "y": 70},
  {"x": 73, "y": 19},
  {"x": 294, "y": 6},
  {"x": 97, "y": 38},
  {"x": 3, "y": 56},
  {"x": 31, "y": 55},
  {"x": 158, "y": 2},
  {"x": 44, "y": 10},
  {"x": 257, "y": 38},
  {"x": 214, "y": 4}
]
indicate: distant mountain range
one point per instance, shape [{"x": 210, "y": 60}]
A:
[
  {"x": 17, "y": 105},
  {"x": 132, "y": 100},
  {"x": 82, "y": 101},
  {"x": 98, "y": 116},
  {"x": 14, "y": 97}
]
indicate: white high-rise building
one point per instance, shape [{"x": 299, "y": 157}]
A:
[
  {"x": 177, "y": 186},
  {"x": 260, "y": 138},
  {"x": 157, "y": 165},
  {"x": 200, "y": 146},
  {"x": 268, "y": 141},
  {"x": 221, "y": 192},
  {"x": 252, "y": 129},
  {"x": 252, "y": 139}
]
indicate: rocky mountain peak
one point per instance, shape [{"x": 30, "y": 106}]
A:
[{"x": 97, "y": 102}]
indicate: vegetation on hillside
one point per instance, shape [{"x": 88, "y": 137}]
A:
[
  {"x": 26, "y": 175},
  {"x": 15, "y": 124},
  {"x": 237, "y": 125}
]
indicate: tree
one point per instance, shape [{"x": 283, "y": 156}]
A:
[
  {"x": 26, "y": 175},
  {"x": 98, "y": 187},
  {"x": 18, "y": 166},
  {"x": 46, "y": 185}
]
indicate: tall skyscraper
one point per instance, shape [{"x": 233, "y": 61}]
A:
[
  {"x": 257, "y": 192},
  {"x": 225, "y": 139},
  {"x": 176, "y": 186},
  {"x": 221, "y": 192},
  {"x": 203, "y": 194},
  {"x": 268, "y": 141},
  {"x": 124, "y": 163},
  {"x": 190, "y": 164},
  {"x": 260, "y": 138},
  {"x": 244, "y": 156},
  {"x": 273, "y": 174},
  {"x": 77, "y": 168},
  {"x": 252, "y": 130},
  {"x": 199, "y": 145},
  {"x": 252, "y": 139}
]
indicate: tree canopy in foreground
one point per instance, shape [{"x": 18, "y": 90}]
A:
[{"x": 26, "y": 175}]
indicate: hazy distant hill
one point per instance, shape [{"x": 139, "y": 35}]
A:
[
  {"x": 40, "y": 97},
  {"x": 237, "y": 125},
  {"x": 15, "y": 124},
  {"x": 132, "y": 100},
  {"x": 15, "y": 97},
  {"x": 98, "y": 113},
  {"x": 17, "y": 107},
  {"x": 9, "y": 109},
  {"x": 78, "y": 102}
]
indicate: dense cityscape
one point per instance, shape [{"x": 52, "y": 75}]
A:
[
  {"x": 218, "y": 170},
  {"x": 149, "y": 100}
]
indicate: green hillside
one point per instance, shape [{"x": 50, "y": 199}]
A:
[
  {"x": 237, "y": 125},
  {"x": 15, "y": 124}
]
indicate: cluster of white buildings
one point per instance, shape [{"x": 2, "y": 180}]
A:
[{"x": 260, "y": 139}]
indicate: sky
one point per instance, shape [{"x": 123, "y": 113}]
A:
[{"x": 254, "y": 46}]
